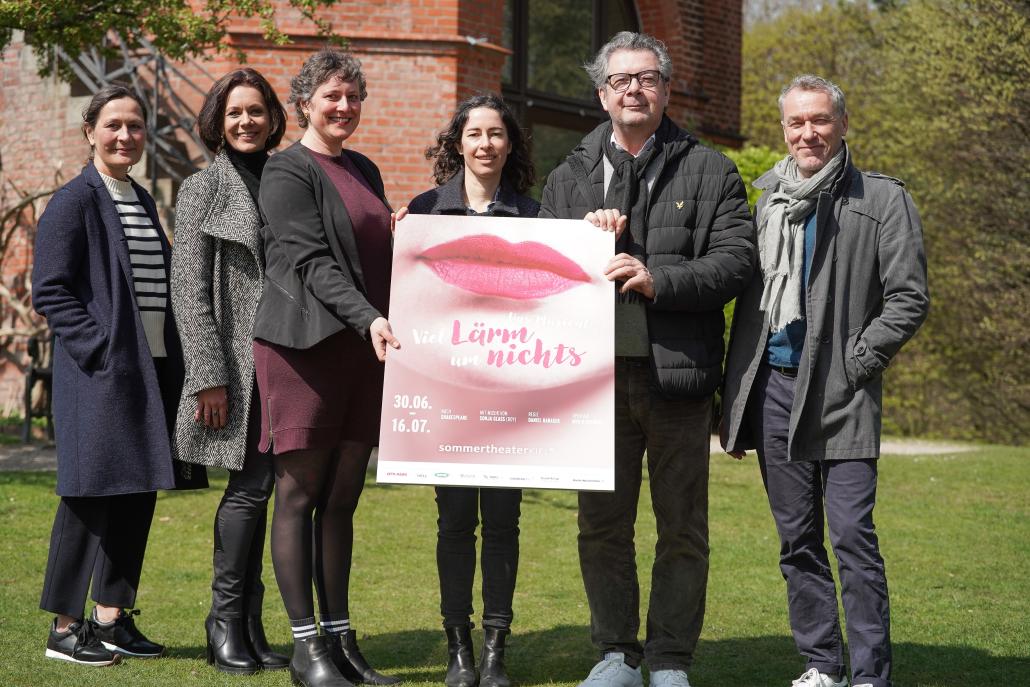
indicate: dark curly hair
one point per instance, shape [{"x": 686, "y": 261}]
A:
[
  {"x": 211, "y": 120},
  {"x": 447, "y": 160}
]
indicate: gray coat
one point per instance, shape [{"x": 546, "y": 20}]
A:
[
  {"x": 217, "y": 274},
  {"x": 867, "y": 295}
]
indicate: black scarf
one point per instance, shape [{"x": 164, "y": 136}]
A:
[
  {"x": 627, "y": 191},
  {"x": 249, "y": 166}
]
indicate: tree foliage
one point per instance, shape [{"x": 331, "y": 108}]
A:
[
  {"x": 837, "y": 42},
  {"x": 177, "y": 28},
  {"x": 752, "y": 162},
  {"x": 939, "y": 95}
]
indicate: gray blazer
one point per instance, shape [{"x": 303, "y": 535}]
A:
[
  {"x": 867, "y": 295},
  {"x": 312, "y": 268},
  {"x": 216, "y": 279}
]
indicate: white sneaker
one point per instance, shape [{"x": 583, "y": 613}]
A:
[
  {"x": 612, "y": 671},
  {"x": 668, "y": 678},
  {"x": 813, "y": 678}
]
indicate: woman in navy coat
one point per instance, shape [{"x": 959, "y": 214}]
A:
[{"x": 100, "y": 279}]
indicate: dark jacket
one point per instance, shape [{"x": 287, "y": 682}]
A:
[
  {"x": 109, "y": 413},
  {"x": 448, "y": 199},
  {"x": 699, "y": 248},
  {"x": 313, "y": 281},
  {"x": 867, "y": 295},
  {"x": 217, "y": 272}
]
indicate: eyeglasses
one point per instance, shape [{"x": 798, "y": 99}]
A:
[
  {"x": 817, "y": 122},
  {"x": 646, "y": 79}
]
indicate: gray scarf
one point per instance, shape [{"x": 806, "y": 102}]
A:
[{"x": 781, "y": 237}]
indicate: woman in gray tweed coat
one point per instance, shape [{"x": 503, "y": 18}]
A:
[{"x": 216, "y": 279}]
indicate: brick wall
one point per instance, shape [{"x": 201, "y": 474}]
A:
[
  {"x": 40, "y": 148},
  {"x": 704, "y": 41},
  {"x": 419, "y": 61},
  {"x": 420, "y": 58}
]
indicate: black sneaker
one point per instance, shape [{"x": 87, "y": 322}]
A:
[
  {"x": 121, "y": 636},
  {"x": 79, "y": 645}
]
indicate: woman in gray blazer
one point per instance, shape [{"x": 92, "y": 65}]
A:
[{"x": 216, "y": 279}]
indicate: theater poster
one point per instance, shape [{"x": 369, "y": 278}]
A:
[{"x": 505, "y": 374}]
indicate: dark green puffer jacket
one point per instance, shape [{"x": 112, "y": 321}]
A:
[{"x": 700, "y": 249}]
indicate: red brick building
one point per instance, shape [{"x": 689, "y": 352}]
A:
[{"x": 420, "y": 58}]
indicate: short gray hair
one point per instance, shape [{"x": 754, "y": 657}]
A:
[
  {"x": 597, "y": 68},
  {"x": 323, "y": 65},
  {"x": 811, "y": 82}
]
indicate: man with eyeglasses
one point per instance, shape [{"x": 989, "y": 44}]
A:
[
  {"x": 841, "y": 287},
  {"x": 684, "y": 248}
]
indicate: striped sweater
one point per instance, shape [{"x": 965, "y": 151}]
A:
[{"x": 149, "y": 272}]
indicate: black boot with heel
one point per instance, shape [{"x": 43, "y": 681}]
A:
[
  {"x": 266, "y": 658},
  {"x": 492, "y": 672},
  {"x": 461, "y": 664},
  {"x": 227, "y": 646},
  {"x": 312, "y": 666},
  {"x": 347, "y": 657}
]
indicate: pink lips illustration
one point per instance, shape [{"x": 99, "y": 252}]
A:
[{"x": 491, "y": 266}]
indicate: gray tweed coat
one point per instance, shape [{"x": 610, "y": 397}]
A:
[{"x": 216, "y": 278}]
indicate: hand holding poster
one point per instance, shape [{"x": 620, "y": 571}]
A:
[{"x": 505, "y": 375}]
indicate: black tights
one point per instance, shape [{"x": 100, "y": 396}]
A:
[{"x": 327, "y": 484}]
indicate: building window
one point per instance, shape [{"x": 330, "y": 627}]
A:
[{"x": 543, "y": 78}]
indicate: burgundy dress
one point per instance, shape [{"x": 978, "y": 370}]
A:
[{"x": 315, "y": 398}]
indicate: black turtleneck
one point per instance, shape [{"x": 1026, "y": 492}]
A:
[{"x": 249, "y": 166}]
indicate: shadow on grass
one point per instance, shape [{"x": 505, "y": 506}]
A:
[
  {"x": 560, "y": 654},
  {"x": 563, "y": 654},
  {"x": 773, "y": 660}
]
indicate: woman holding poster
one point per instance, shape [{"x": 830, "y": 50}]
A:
[
  {"x": 482, "y": 167},
  {"x": 320, "y": 333}
]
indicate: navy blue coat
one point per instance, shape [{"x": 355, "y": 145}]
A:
[
  {"x": 449, "y": 199},
  {"x": 109, "y": 411}
]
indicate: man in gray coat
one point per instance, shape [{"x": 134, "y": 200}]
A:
[
  {"x": 684, "y": 248},
  {"x": 841, "y": 287}
]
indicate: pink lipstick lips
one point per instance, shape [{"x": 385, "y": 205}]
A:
[{"x": 491, "y": 266}]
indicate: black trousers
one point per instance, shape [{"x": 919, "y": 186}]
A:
[
  {"x": 459, "y": 509},
  {"x": 240, "y": 524},
  {"x": 98, "y": 538},
  {"x": 675, "y": 434},
  {"x": 802, "y": 496}
]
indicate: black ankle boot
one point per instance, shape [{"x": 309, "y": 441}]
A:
[
  {"x": 347, "y": 657},
  {"x": 461, "y": 665},
  {"x": 227, "y": 646},
  {"x": 268, "y": 659},
  {"x": 311, "y": 665},
  {"x": 491, "y": 665}
]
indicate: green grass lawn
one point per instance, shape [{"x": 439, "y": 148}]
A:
[{"x": 954, "y": 529}]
